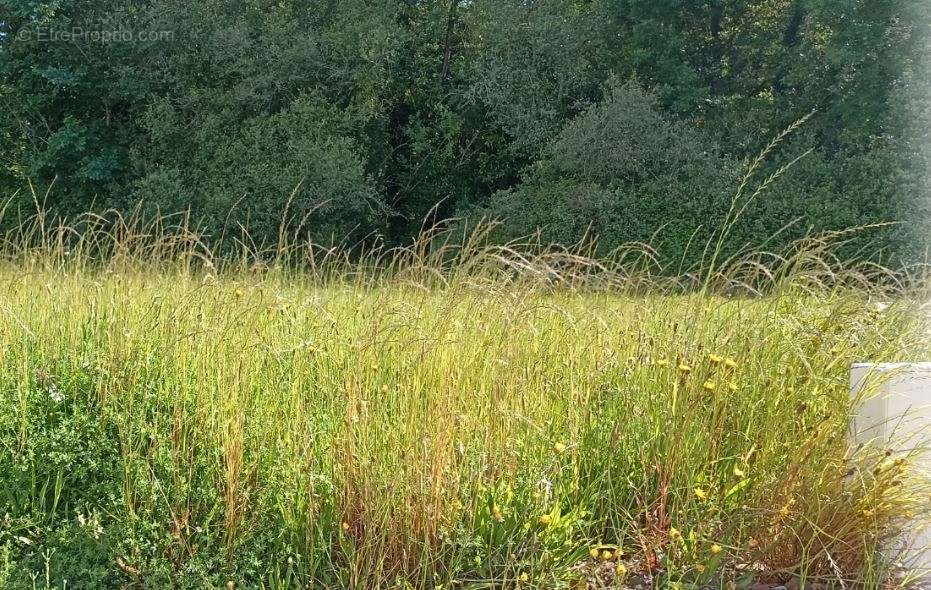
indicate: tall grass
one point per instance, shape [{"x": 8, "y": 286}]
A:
[{"x": 448, "y": 415}]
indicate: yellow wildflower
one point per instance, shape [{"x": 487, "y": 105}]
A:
[
  {"x": 546, "y": 519},
  {"x": 714, "y": 358},
  {"x": 684, "y": 369},
  {"x": 593, "y": 552},
  {"x": 345, "y": 526},
  {"x": 730, "y": 363},
  {"x": 606, "y": 555},
  {"x": 701, "y": 494},
  {"x": 715, "y": 549},
  {"x": 710, "y": 385},
  {"x": 524, "y": 577},
  {"x": 620, "y": 570},
  {"x": 700, "y": 568},
  {"x": 739, "y": 473},
  {"x": 784, "y": 511},
  {"x": 674, "y": 533},
  {"x": 560, "y": 447},
  {"x": 661, "y": 362},
  {"x": 732, "y": 386}
]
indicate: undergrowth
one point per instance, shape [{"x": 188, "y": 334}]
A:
[{"x": 449, "y": 415}]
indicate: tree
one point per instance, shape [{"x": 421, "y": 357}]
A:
[
  {"x": 622, "y": 171},
  {"x": 400, "y": 110}
]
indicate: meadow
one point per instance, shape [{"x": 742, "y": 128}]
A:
[{"x": 442, "y": 417}]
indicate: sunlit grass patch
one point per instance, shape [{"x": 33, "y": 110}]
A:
[{"x": 421, "y": 420}]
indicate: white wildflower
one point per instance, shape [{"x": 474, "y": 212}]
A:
[{"x": 55, "y": 394}]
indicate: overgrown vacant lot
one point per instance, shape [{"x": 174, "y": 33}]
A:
[{"x": 500, "y": 422}]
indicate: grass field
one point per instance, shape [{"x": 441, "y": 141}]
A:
[{"x": 427, "y": 421}]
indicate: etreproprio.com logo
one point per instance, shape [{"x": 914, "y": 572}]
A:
[{"x": 81, "y": 35}]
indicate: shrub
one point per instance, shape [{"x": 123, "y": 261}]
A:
[
  {"x": 299, "y": 163},
  {"x": 625, "y": 172}
]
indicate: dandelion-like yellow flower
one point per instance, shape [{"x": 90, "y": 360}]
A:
[
  {"x": 701, "y": 494},
  {"x": 714, "y": 358},
  {"x": 560, "y": 447},
  {"x": 700, "y": 568},
  {"x": 524, "y": 577},
  {"x": 345, "y": 526},
  {"x": 739, "y": 473},
  {"x": 730, "y": 363},
  {"x": 593, "y": 552},
  {"x": 732, "y": 386},
  {"x": 674, "y": 533},
  {"x": 715, "y": 549},
  {"x": 546, "y": 519},
  {"x": 784, "y": 511},
  {"x": 684, "y": 369},
  {"x": 661, "y": 362},
  {"x": 606, "y": 555},
  {"x": 710, "y": 385},
  {"x": 620, "y": 570}
]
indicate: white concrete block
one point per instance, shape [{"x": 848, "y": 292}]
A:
[{"x": 895, "y": 413}]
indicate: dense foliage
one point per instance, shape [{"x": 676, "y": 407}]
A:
[{"x": 358, "y": 119}]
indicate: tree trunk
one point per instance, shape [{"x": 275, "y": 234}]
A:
[{"x": 448, "y": 45}]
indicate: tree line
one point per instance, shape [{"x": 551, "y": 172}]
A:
[{"x": 359, "y": 119}]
